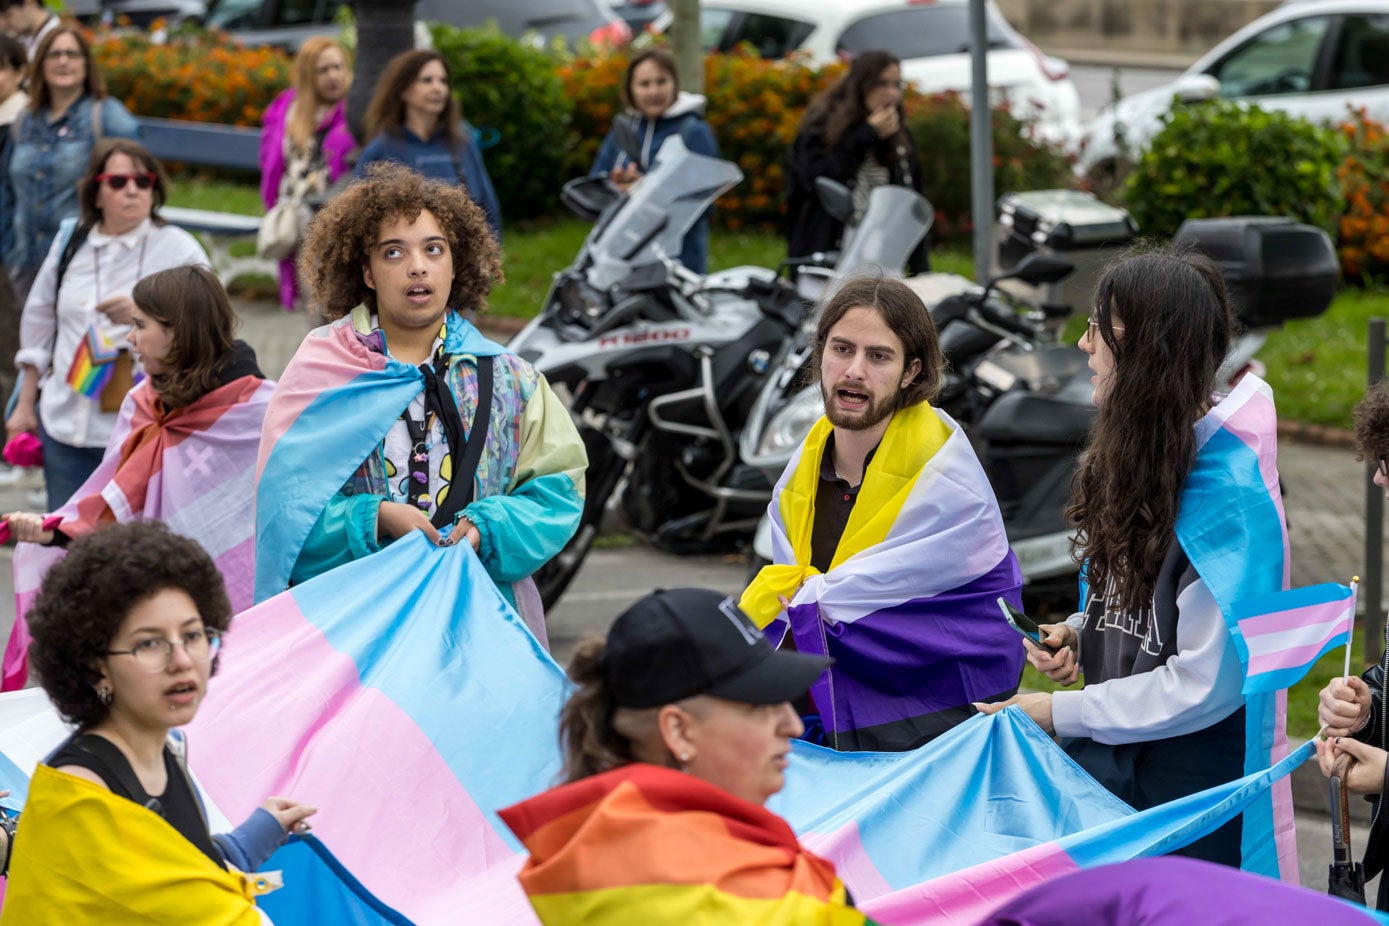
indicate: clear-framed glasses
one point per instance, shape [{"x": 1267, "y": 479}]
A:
[
  {"x": 155, "y": 653},
  {"x": 1092, "y": 328},
  {"x": 58, "y": 54}
]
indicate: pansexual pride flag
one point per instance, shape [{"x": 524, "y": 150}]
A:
[
  {"x": 401, "y": 695},
  {"x": 1285, "y": 633},
  {"x": 908, "y": 608},
  {"x": 1231, "y": 525},
  {"x": 191, "y": 468}
]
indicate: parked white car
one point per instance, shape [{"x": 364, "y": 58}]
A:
[
  {"x": 932, "y": 40},
  {"x": 1311, "y": 58}
]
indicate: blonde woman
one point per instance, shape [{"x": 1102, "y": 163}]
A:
[{"x": 306, "y": 132}]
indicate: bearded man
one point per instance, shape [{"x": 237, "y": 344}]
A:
[{"x": 889, "y": 553}]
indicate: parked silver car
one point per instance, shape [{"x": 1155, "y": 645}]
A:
[{"x": 1312, "y": 58}]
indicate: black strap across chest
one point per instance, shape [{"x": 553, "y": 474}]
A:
[{"x": 439, "y": 401}]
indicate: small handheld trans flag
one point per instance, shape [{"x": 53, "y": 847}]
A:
[{"x": 1285, "y": 633}]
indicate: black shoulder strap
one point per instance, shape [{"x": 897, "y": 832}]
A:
[
  {"x": 466, "y": 463},
  {"x": 79, "y": 237},
  {"x": 105, "y": 759}
]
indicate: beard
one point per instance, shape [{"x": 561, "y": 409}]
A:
[{"x": 874, "y": 411}]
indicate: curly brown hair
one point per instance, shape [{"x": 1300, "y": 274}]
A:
[
  {"x": 1371, "y": 417},
  {"x": 86, "y": 596},
  {"x": 340, "y": 238},
  {"x": 1176, "y": 321}
]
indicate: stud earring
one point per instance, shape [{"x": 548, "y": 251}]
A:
[{"x": 103, "y": 693}]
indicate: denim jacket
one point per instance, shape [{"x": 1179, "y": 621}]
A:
[{"x": 43, "y": 163}]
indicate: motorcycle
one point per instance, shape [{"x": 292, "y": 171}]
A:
[
  {"x": 661, "y": 366},
  {"x": 1018, "y": 393}
]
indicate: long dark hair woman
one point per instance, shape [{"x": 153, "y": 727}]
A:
[
  {"x": 856, "y": 133},
  {"x": 1167, "y": 537},
  {"x": 414, "y": 119}
]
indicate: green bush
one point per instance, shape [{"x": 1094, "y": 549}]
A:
[
  {"x": 940, "y": 126},
  {"x": 1223, "y": 158},
  {"x": 514, "y": 89}
]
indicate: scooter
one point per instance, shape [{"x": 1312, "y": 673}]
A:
[{"x": 661, "y": 365}]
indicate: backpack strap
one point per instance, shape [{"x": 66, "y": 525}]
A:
[
  {"x": 465, "y": 465},
  {"x": 73, "y": 237}
]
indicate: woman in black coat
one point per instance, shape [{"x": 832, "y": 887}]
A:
[{"x": 855, "y": 132}]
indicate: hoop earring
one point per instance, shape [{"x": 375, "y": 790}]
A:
[{"x": 104, "y": 694}]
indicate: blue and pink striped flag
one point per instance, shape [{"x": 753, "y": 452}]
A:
[
  {"x": 404, "y": 697},
  {"x": 1282, "y": 634}
]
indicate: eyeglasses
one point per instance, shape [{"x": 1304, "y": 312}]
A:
[
  {"x": 58, "y": 54},
  {"x": 1092, "y": 328},
  {"x": 890, "y": 84},
  {"x": 118, "y": 181},
  {"x": 1383, "y": 467},
  {"x": 155, "y": 653}
]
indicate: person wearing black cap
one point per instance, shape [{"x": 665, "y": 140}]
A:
[{"x": 677, "y": 733}]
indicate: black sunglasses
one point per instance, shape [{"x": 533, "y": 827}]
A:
[{"x": 118, "y": 181}]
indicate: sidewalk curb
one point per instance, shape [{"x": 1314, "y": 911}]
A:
[{"x": 1318, "y": 434}]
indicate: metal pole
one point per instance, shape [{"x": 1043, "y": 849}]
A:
[
  {"x": 1374, "y": 519},
  {"x": 685, "y": 44},
  {"x": 981, "y": 155}
]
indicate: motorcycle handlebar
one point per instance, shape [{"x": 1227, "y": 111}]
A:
[{"x": 1005, "y": 320}]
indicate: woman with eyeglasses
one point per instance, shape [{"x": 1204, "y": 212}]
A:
[
  {"x": 127, "y": 631},
  {"x": 1352, "y": 709},
  {"x": 203, "y": 398},
  {"x": 74, "y": 370},
  {"x": 69, "y": 112},
  {"x": 1178, "y": 514},
  {"x": 856, "y": 133}
]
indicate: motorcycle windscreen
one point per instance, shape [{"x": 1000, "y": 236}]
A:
[
  {"x": 662, "y": 206},
  {"x": 893, "y": 224}
]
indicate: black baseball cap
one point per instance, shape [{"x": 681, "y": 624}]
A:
[{"x": 680, "y": 642}]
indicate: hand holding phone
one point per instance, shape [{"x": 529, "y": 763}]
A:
[{"x": 1024, "y": 625}]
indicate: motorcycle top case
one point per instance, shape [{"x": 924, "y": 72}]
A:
[
  {"x": 1064, "y": 220},
  {"x": 1276, "y": 269}
]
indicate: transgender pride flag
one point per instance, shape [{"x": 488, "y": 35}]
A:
[
  {"x": 1281, "y": 635},
  {"x": 401, "y": 695}
]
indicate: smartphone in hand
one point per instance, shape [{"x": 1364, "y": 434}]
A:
[{"x": 1024, "y": 625}]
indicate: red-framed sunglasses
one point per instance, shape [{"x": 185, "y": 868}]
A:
[{"x": 118, "y": 181}]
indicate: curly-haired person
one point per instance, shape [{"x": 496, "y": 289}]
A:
[
  {"x": 1352, "y": 709},
  {"x": 126, "y": 632},
  {"x": 399, "y": 416},
  {"x": 1177, "y": 511}
]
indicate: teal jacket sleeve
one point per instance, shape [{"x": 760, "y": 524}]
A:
[
  {"x": 523, "y": 529},
  {"x": 346, "y": 530}
]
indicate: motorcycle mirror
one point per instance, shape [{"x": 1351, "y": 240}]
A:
[
  {"x": 587, "y": 197},
  {"x": 1036, "y": 269},
  {"x": 835, "y": 197},
  {"x": 627, "y": 138}
]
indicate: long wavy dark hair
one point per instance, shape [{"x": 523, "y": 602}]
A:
[
  {"x": 1176, "y": 321},
  {"x": 841, "y": 107}
]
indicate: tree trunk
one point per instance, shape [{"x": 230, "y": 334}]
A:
[
  {"x": 685, "y": 45},
  {"x": 385, "y": 28}
]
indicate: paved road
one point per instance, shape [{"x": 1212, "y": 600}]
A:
[{"x": 1096, "y": 84}]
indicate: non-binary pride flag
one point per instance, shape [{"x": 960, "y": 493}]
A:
[
  {"x": 1282, "y": 634},
  {"x": 401, "y": 695}
]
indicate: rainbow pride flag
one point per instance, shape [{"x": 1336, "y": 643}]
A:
[
  {"x": 403, "y": 696},
  {"x": 92, "y": 363}
]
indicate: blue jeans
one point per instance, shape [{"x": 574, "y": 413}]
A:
[{"x": 65, "y": 468}]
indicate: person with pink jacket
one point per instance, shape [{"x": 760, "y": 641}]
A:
[{"x": 305, "y": 142}]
